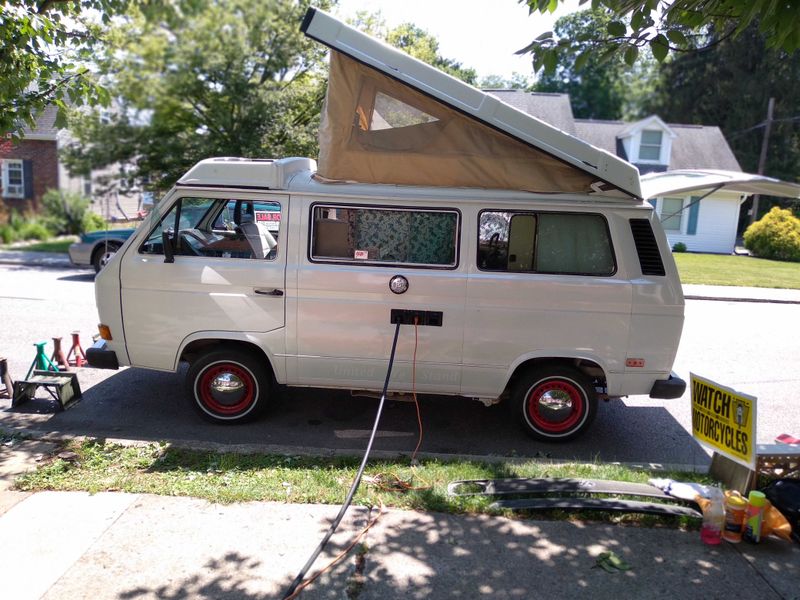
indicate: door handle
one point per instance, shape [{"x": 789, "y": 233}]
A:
[{"x": 273, "y": 292}]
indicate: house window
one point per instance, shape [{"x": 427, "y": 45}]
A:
[
  {"x": 13, "y": 180},
  {"x": 672, "y": 214},
  {"x": 650, "y": 146}
]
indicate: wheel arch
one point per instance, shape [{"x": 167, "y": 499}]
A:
[
  {"x": 198, "y": 344},
  {"x": 590, "y": 366}
]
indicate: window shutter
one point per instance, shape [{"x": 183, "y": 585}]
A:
[
  {"x": 694, "y": 211},
  {"x": 27, "y": 178}
]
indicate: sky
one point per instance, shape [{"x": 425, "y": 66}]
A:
[{"x": 481, "y": 34}]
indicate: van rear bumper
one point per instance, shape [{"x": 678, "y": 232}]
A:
[
  {"x": 668, "y": 389},
  {"x": 100, "y": 357}
]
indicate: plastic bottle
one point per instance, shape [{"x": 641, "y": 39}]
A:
[
  {"x": 735, "y": 507},
  {"x": 713, "y": 518},
  {"x": 754, "y": 516}
]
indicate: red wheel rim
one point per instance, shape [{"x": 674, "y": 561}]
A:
[
  {"x": 560, "y": 391},
  {"x": 240, "y": 395}
]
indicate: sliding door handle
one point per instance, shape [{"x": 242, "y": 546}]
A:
[{"x": 272, "y": 292}]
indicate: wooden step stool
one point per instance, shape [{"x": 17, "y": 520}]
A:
[{"x": 62, "y": 386}]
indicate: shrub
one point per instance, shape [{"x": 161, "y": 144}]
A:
[
  {"x": 775, "y": 236},
  {"x": 65, "y": 212},
  {"x": 93, "y": 222},
  {"x": 8, "y": 234},
  {"x": 679, "y": 247},
  {"x": 35, "y": 230}
]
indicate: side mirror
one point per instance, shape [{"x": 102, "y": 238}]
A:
[{"x": 166, "y": 243}]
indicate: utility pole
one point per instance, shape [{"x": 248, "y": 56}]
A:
[{"x": 762, "y": 159}]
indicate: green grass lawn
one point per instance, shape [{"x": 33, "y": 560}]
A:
[
  {"x": 97, "y": 466},
  {"x": 59, "y": 245},
  {"x": 714, "y": 269}
]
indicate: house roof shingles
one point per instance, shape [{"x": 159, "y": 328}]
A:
[
  {"x": 554, "y": 109},
  {"x": 45, "y": 125},
  {"x": 695, "y": 147}
]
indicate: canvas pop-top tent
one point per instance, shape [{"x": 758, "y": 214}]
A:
[{"x": 390, "y": 118}]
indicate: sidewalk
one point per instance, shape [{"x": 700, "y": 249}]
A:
[
  {"x": 25, "y": 258},
  {"x": 73, "y": 545}
]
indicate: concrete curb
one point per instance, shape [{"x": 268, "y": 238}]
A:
[{"x": 731, "y": 299}]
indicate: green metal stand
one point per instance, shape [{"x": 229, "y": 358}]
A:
[{"x": 40, "y": 361}]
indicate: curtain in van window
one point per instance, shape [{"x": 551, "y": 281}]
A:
[
  {"x": 569, "y": 243},
  {"x": 406, "y": 236}
]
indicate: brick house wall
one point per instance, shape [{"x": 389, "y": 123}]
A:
[{"x": 41, "y": 165}]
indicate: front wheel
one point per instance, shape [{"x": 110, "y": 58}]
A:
[
  {"x": 555, "y": 403},
  {"x": 104, "y": 253},
  {"x": 228, "y": 386}
]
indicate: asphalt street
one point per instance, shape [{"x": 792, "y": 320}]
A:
[{"x": 752, "y": 347}]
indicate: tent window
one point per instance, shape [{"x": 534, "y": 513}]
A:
[{"x": 391, "y": 113}]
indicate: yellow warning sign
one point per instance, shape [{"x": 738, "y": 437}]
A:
[{"x": 724, "y": 419}]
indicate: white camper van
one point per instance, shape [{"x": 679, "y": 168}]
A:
[{"x": 524, "y": 264}]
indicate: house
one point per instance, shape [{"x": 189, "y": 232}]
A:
[
  {"x": 705, "y": 225},
  {"x": 31, "y": 167}
]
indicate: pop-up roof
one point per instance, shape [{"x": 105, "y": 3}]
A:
[{"x": 390, "y": 118}]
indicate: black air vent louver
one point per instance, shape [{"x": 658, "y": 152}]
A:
[{"x": 647, "y": 247}]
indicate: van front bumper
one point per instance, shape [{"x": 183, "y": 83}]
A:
[
  {"x": 100, "y": 357},
  {"x": 668, "y": 389}
]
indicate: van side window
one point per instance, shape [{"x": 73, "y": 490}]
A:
[
  {"x": 557, "y": 243},
  {"x": 384, "y": 235},
  {"x": 220, "y": 228}
]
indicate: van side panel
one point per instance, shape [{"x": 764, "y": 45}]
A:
[
  {"x": 656, "y": 316},
  {"x": 511, "y": 317},
  {"x": 342, "y": 324}
]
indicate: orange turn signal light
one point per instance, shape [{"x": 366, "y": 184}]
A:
[
  {"x": 105, "y": 332},
  {"x": 634, "y": 362}
]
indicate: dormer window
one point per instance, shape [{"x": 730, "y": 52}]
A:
[{"x": 650, "y": 146}]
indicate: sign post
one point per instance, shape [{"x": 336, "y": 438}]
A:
[{"x": 724, "y": 420}]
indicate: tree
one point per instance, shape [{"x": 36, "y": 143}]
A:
[
  {"x": 45, "y": 47},
  {"x": 518, "y": 81},
  {"x": 666, "y": 26},
  {"x": 745, "y": 74},
  {"x": 218, "y": 78},
  {"x": 414, "y": 41},
  {"x": 594, "y": 85}
]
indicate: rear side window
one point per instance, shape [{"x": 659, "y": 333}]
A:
[
  {"x": 557, "y": 243},
  {"x": 384, "y": 235}
]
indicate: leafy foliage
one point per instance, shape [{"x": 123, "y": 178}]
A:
[
  {"x": 599, "y": 86},
  {"x": 745, "y": 74},
  {"x": 776, "y": 236},
  {"x": 45, "y": 47},
  {"x": 666, "y": 26},
  {"x": 414, "y": 41},
  {"x": 209, "y": 78},
  {"x": 67, "y": 213}
]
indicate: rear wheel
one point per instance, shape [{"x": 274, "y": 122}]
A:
[
  {"x": 554, "y": 403},
  {"x": 228, "y": 386},
  {"x": 104, "y": 253}
]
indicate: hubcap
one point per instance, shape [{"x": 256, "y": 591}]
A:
[
  {"x": 106, "y": 257},
  {"x": 227, "y": 388},
  {"x": 555, "y": 406}
]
